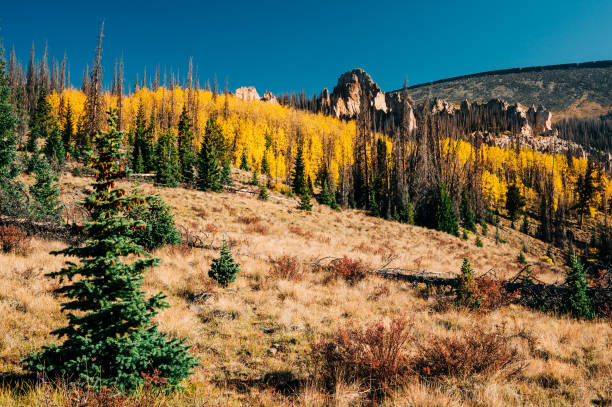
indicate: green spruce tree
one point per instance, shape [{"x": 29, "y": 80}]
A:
[
  {"x": 226, "y": 172},
  {"x": 446, "y": 219},
  {"x": 167, "y": 171},
  {"x": 305, "y": 203},
  {"x": 12, "y": 196},
  {"x": 244, "y": 165},
  {"x": 224, "y": 269},
  {"x": 467, "y": 215},
  {"x": 514, "y": 202},
  {"x": 111, "y": 339},
  {"x": 298, "y": 175},
  {"x": 577, "y": 302},
  {"x": 45, "y": 193},
  {"x": 185, "y": 147},
  {"x": 324, "y": 197},
  {"x": 42, "y": 123},
  {"x": 141, "y": 152},
  {"x": 209, "y": 173},
  {"x": 54, "y": 148},
  {"x": 263, "y": 192},
  {"x": 68, "y": 135}
]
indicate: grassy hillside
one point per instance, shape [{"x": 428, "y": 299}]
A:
[
  {"x": 557, "y": 87},
  {"x": 255, "y": 338}
]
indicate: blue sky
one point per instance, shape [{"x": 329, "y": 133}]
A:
[{"x": 288, "y": 46}]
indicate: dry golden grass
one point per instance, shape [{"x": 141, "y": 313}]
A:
[{"x": 255, "y": 335}]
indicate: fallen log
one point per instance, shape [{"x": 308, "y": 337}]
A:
[{"x": 542, "y": 296}]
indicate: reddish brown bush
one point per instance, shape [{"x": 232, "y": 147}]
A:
[
  {"x": 286, "y": 267},
  {"x": 306, "y": 234},
  {"x": 492, "y": 294},
  {"x": 84, "y": 396},
  {"x": 258, "y": 228},
  {"x": 473, "y": 352},
  {"x": 249, "y": 220},
  {"x": 12, "y": 239},
  {"x": 377, "y": 356},
  {"x": 351, "y": 270}
]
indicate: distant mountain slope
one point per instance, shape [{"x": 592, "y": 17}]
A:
[{"x": 557, "y": 87}]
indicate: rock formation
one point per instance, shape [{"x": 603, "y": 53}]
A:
[
  {"x": 269, "y": 97},
  {"x": 247, "y": 93}
]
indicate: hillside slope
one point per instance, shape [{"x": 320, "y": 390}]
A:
[
  {"x": 254, "y": 338},
  {"x": 557, "y": 87}
]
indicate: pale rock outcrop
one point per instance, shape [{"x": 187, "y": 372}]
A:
[
  {"x": 247, "y": 93},
  {"x": 269, "y": 97}
]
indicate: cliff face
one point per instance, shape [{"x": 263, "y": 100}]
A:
[{"x": 356, "y": 90}]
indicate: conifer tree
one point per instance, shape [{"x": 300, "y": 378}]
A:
[
  {"x": 45, "y": 191},
  {"x": 224, "y": 269},
  {"x": 11, "y": 191},
  {"x": 111, "y": 339},
  {"x": 467, "y": 215},
  {"x": 446, "y": 219},
  {"x": 244, "y": 165},
  {"x": 226, "y": 172},
  {"x": 209, "y": 173},
  {"x": 54, "y": 148},
  {"x": 68, "y": 130},
  {"x": 141, "y": 153},
  {"x": 324, "y": 196},
  {"x": 298, "y": 176},
  {"x": 254, "y": 178},
  {"x": 265, "y": 166},
  {"x": 185, "y": 147},
  {"x": 465, "y": 288},
  {"x": 514, "y": 202},
  {"x": 305, "y": 203},
  {"x": 577, "y": 301},
  {"x": 167, "y": 171},
  {"x": 263, "y": 192},
  {"x": 42, "y": 123}
]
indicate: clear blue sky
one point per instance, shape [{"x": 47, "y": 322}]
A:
[{"x": 293, "y": 45}]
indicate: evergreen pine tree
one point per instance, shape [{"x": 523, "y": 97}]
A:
[
  {"x": 244, "y": 165},
  {"x": 68, "y": 135},
  {"x": 141, "y": 153},
  {"x": 209, "y": 173},
  {"x": 298, "y": 176},
  {"x": 167, "y": 171},
  {"x": 226, "y": 172},
  {"x": 254, "y": 179},
  {"x": 305, "y": 203},
  {"x": 324, "y": 196},
  {"x": 577, "y": 301},
  {"x": 467, "y": 215},
  {"x": 42, "y": 123},
  {"x": 111, "y": 339},
  {"x": 54, "y": 148},
  {"x": 265, "y": 166},
  {"x": 446, "y": 219},
  {"x": 263, "y": 192},
  {"x": 12, "y": 195},
  {"x": 45, "y": 191},
  {"x": 185, "y": 146},
  {"x": 514, "y": 202},
  {"x": 225, "y": 268},
  {"x": 465, "y": 288}
]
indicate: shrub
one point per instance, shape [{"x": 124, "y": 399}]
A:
[
  {"x": 224, "y": 269},
  {"x": 464, "y": 234},
  {"x": 473, "y": 352},
  {"x": 466, "y": 293},
  {"x": 377, "y": 356},
  {"x": 491, "y": 294},
  {"x": 160, "y": 229},
  {"x": 286, "y": 267},
  {"x": 350, "y": 270},
  {"x": 13, "y": 239},
  {"x": 248, "y": 220},
  {"x": 478, "y": 242},
  {"x": 305, "y": 203},
  {"x": 263, "y": 192}
]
